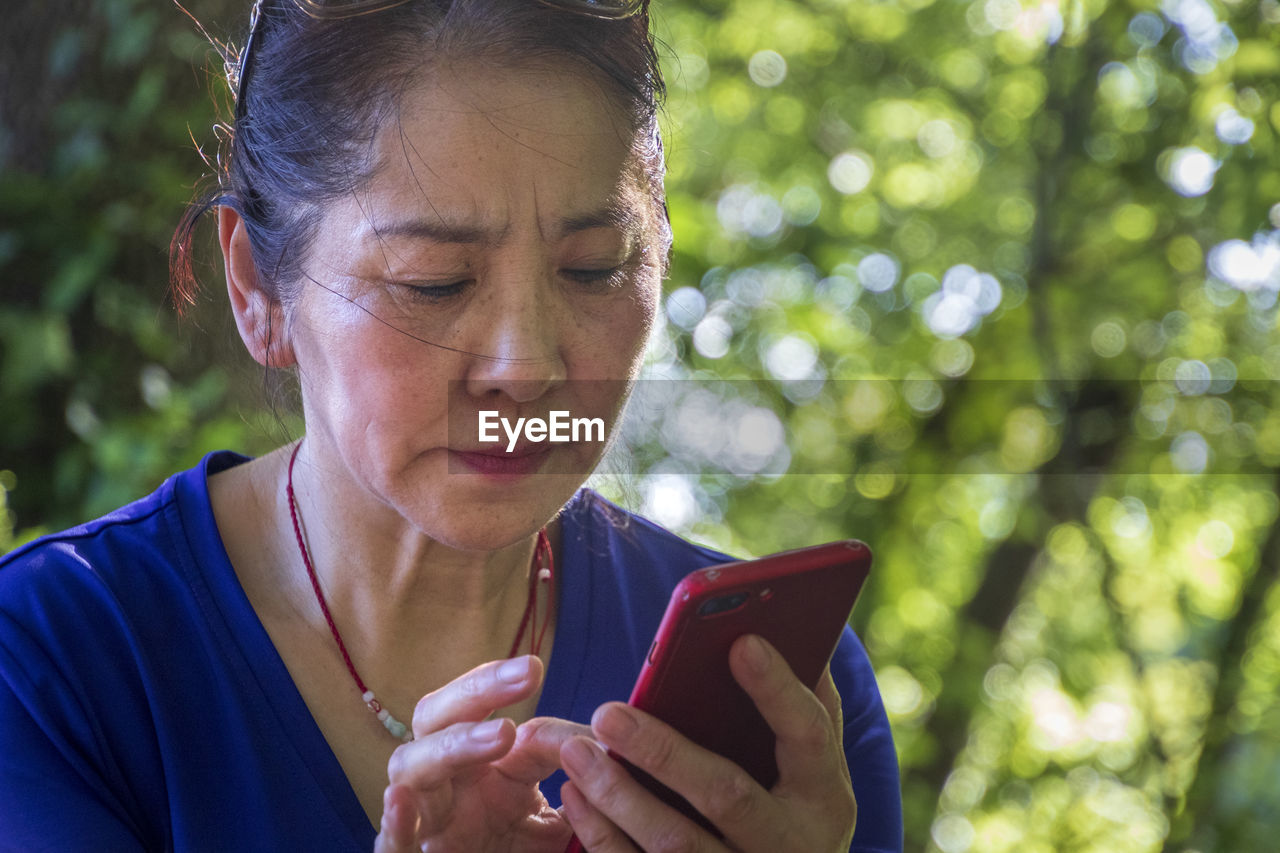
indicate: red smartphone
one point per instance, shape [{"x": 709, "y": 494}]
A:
[{"x": 799, "y": 601}]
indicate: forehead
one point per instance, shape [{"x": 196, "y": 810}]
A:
[{"x": 498, "y": 147}]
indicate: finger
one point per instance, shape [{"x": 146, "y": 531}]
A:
[
  {"x": 536, "y": 751},
  {"x": 720, "y": 790},
  {"x": 622, "y": 801},
  {"x": 595, "y": 832},
  {"x": 399, "y": 830},
  {"x": 476, "y": 694},
  {"x": 808, "y": 738},
  {"x": 830, "y": 699},
  {"x": 434, "y": 759}
]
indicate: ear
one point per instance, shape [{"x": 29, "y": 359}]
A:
[{"x": 259, "y": 315}]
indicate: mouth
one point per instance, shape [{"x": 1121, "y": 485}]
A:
[
  {"x": 522, "y": 461},
  {"x": 524, "y": 448}
]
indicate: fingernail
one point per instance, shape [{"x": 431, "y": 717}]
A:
[
  {"x": 486, "y": 732},
  {"x": 580, "y": 754},
  {"x": 615, "y": 723},
  {"x": 514, "y": 670},
  {"x": 756, "y": 655}
]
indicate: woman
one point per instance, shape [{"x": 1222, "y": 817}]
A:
[{"x": 431, "y": 211}]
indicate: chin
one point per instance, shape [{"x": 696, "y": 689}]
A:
[{"x": 474, "y": 513}]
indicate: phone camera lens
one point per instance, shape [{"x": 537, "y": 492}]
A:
[{"x": 722, "y": 604}]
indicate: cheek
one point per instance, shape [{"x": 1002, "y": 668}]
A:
[
  {"x": 366, "y": 377},
  {"x": 609, "y": 328},
  {"x": 647, "y": 300},
  {"x": 620, "y": 340},
  {"x": 643, "y": 303}
]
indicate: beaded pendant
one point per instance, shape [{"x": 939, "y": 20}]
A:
[{"x": 390, "y": 723}]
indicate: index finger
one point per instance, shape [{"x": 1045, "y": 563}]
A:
[
  {"x": 536, "y": 752},
  {"x": 830, "y": 699},
  {"x": 477, "y": 693},
  {"x": 808, "y": 738}
]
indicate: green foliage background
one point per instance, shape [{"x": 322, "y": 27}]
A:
[{"x": 1071, "y": 491}]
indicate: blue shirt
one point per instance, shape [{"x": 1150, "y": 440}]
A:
[{"x": 143, "y": 705}]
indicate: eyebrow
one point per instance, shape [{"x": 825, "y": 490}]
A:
[
  {"x": 440, "y": 230},
  {"x": 616, "y": 215}
]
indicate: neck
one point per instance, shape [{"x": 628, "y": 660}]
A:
[{"x": 402, "y": 600}]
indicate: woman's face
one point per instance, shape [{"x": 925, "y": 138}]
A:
[{"x": 506, "y": 258}]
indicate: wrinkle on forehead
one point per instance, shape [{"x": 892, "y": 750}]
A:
[
  {"x": 525, "y": 111},
  {"x": 576, "y": 125}
]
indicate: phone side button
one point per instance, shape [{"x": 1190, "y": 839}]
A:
[{"x": 653, "y": 647}]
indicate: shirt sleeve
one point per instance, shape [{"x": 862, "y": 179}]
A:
[
  {"x": 56, "y": 790},
  {"x": 868, "y": 747}
]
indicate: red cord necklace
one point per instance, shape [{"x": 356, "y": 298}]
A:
[{"x": 543, "y": 560}]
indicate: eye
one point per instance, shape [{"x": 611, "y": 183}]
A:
[
  {"x": 603, "y": 277},
  {"x": 435, "y": 292}
]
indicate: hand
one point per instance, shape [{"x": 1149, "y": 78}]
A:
[
  {"x": 467, "y": 785},
  {"x": 811, "y": 808}
]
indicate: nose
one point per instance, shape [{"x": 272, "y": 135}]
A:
[{"x": 520, "y": 352}]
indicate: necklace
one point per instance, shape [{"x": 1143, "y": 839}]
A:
[{"x": 542, "y": 559}]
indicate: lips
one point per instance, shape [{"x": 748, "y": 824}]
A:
[
  {"x": 522, "y": 449},
  {"x": 520, "y": 462}
]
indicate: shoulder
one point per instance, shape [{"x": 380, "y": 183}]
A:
[
  {"x": 601, "y": 530},
  {"x": 614, "y": 580},
  {"x": 85, "y": 602},
  {"x": 44, "y": 578},
  {"x": 119, "y": 556},
  {"x": 91, "y": 619}
]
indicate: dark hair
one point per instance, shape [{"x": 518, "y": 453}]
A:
[{"x": 318, "y": 92}]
